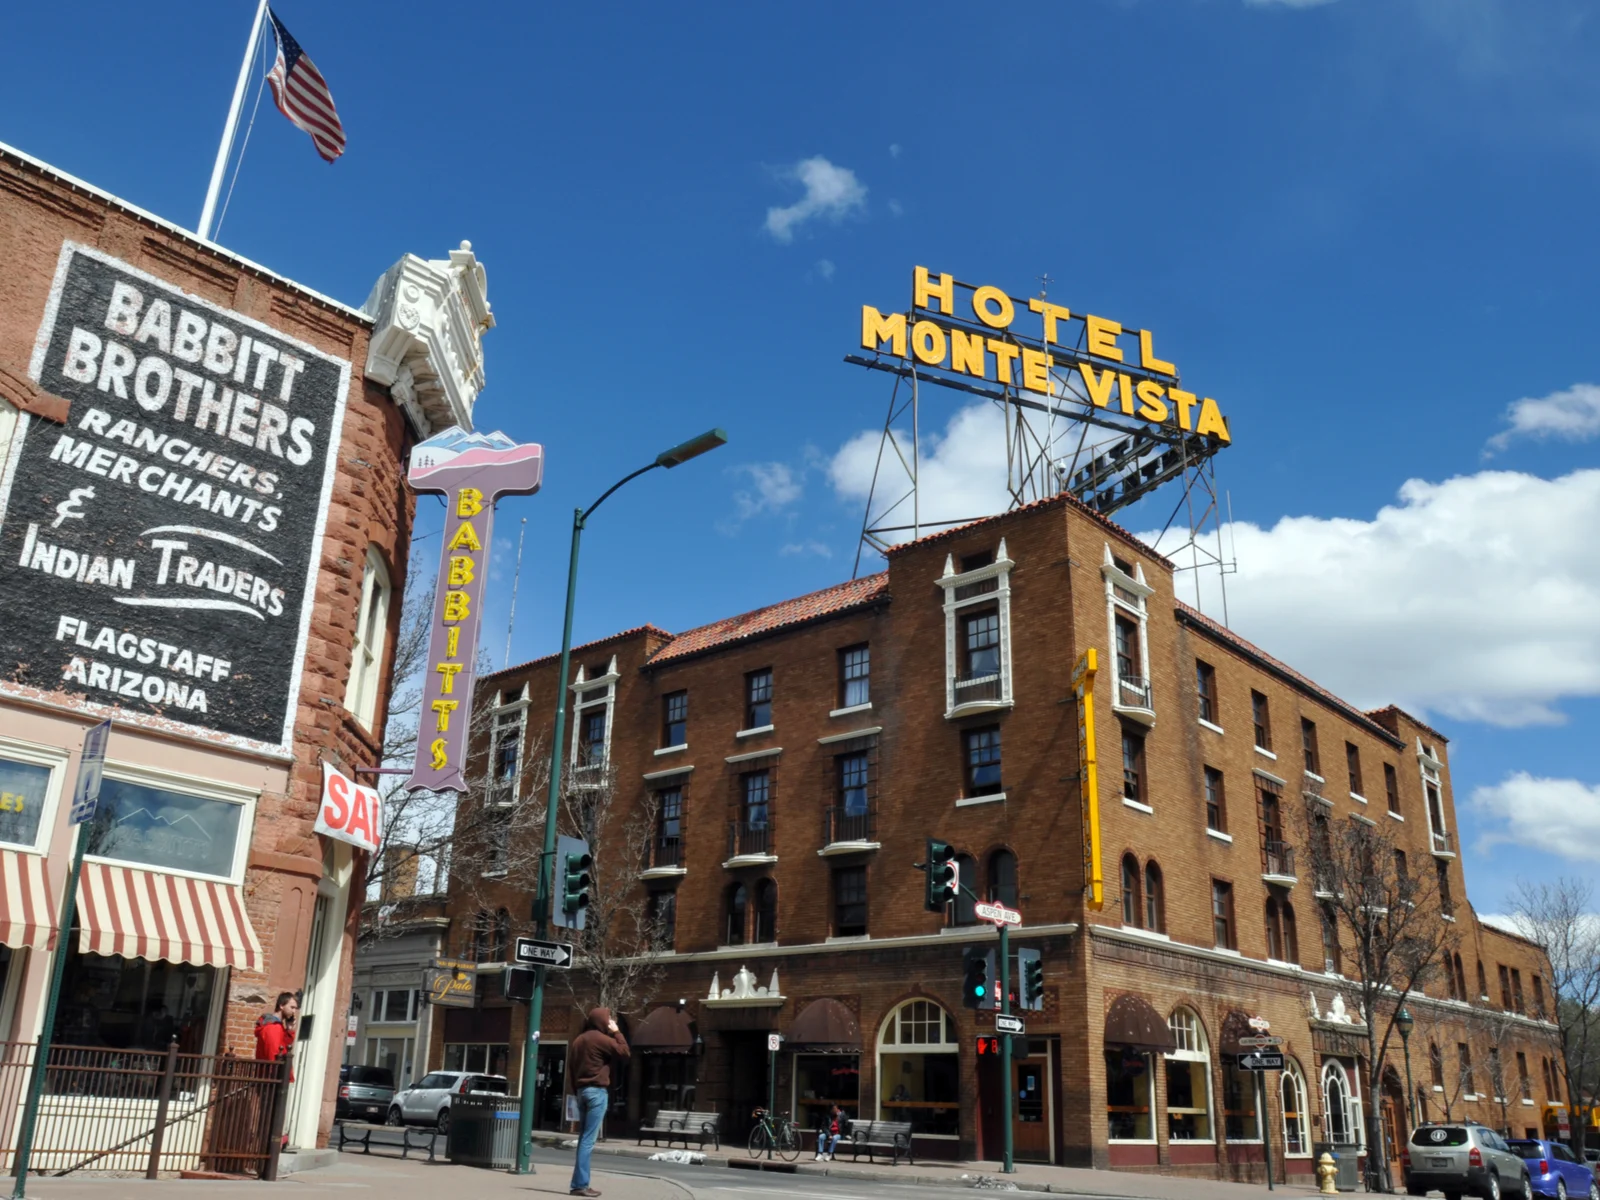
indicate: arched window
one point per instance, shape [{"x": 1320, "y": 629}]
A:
[
  {"x": 738, "y": 909},
  {"x": 1332, "y": 959},
  {"x": 919, "y": 1077},
  {"x": 1340, "y": 1121},
  {"x": 1155, "y": 899},
  {"x": 1436, "y": 1064},
  {"x": 1274, "y": 929},
  {"x": 1188, "y": 1080},
  {"x": 1292, "y": 1088},
  {"x": 1130, "y": 891},
  {"x": 1003, "y": 878},
  {"x": 766, "y": 911},
  {"x": 1450, "y": 978},
  {"x": 372, "y": 629},
  {"x": 1461, "y": 980},
  {"x": 502, "y": 936},
  {"x": 1291, "y": 936},
  {"x": 1483, "y": 982},
  {"x": 961, "y": 908}
]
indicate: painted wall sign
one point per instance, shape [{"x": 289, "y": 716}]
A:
[
  {"x": 349, "y": 812},
  {"x": 472, "y": 470},
  {"x": 157, "y": 551}
]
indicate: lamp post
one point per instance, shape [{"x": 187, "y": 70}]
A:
[
  {"x": 1403, "y": 1022},
  {"x": 670, "y": 458}
]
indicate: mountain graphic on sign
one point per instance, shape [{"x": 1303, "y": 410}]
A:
[
  {"x": 456, "y": 453},
  {"x": 169, "y": 822}
]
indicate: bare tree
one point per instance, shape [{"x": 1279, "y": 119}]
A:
[
  {"x": 1391, "y": 939},
  {"x": 1560, "y": 917}
]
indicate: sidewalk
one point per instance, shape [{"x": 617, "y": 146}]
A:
[{"x": 1029, "y": 1177}]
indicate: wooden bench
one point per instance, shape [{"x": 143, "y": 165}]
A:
[
  {"x": 678, "y": 1125},
  {"x": 406, "y": 1137},
  {"x": 891, "y": 1137}
]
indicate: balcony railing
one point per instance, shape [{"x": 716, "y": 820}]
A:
[
  {"x": 839, "y": 825},
  {"x": 665, "y": 850},
  {"x": 973, "y": 688},
  {"x": 1444, "y": 842},
  {"x": 1278, "y": 860},
  {"x": 748, "y": 839},
  {"x": 1133, "y": 692}
]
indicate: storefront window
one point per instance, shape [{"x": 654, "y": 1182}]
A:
[
  {"x": 152, "y": 827},
  {"x": 1188, "y": 1080},
  {"x": 1128, "y": 1095},
  {"x": 668, "y": 1082},
  {"x": 1239, "y": 1120},
  {"x": 823, "y": 1080},
  {"x": 1293, "y": 1086},
  {"x": 1341, "y": 1121},
  {"x": 114, "y": 1003},
  {"x": 918, "y": 1069},
  {"x": 490, "y": 1059},
  {"x": 23, "y": 788}
]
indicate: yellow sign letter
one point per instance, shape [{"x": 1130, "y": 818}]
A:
[
  {"x": 922, "y": 290},
  {"x": 877, "y": 329},
  {"x": 1148, "y": 359},
  {"x": 469, "y": 502},
  {"x": 1101, "y": 338},
  {"x": 1052, "y": 313},
  {"x": 456, "y": 606},
  {"x": 460, "y": 570},
  {"x": 1000, "y": 318},
  {"x": 466, "y": 538}
]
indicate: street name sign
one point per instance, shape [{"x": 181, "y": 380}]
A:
[
  {"x": 1006, "y": 1023},
  {"x": 1262, "y": 1040},
  {"x": 1261, "y": 1060},
  {"x": 544, "y": 954},
  {"x": 998, "y": 913},
  {"x": 91, "y": 765}
]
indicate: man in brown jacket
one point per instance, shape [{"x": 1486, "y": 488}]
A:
[{"x": 589, "y": 1061}]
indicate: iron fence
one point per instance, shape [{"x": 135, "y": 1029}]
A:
[
  {"x": 149, "y": 1110},
  {"x": 842, "y": 824},
  {"x": 1278, "y": 859},
  {"x": 745, "y": 837}
]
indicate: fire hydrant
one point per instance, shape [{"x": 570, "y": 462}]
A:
[{"x": 1327, "y": 1171}]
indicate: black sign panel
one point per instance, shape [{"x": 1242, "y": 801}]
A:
[
  {"x": 1261, "y": 1060},
  {"x": 156, "y": 552}
]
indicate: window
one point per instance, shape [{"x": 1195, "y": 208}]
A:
[
  {"x": 977, "y": 624},
  {"x": 1308, "y": 743},
  {"x": 1132, "y": 909},
  {"x": 1452, "y": 990},
  {"x": 661, "y": 915},
  {"x": 1205, "y": 678},
  {"x": 675, "y": 719},
  {"x": 849, "y": 901},
  {"x": 1127, "y": 626},
  {"x": 1133, "y": 787},
  {"x": 1155, "y": 899},
  {"x": 1222, "y": 914},
  {"x": 156, "y": 827},
  {"x": 394, "y": 1006},
  {"x": 1188, "y": 1080},
  {"x": 1292, "y": 1090},
  {"x": 1261, "y": 719},
  {"x": 1524, "y": 1084},
  {"x": 507, "y": 753},
  {"x": 1129, "y": 672},
  {"x": 980, "y": 644},
  {"x": 1332, "y": 958},
  {"x": 766, "y": 911},
  {"x": 668, "y": 848},
  {"x": 129, "y": 1004},
  {"x": 1391, "y": 788},
  {"x": 1447, "y": 904},
  {"x": 758, "y": 699},
  {"x": 502, "y": 936},
  {"x": 961, "y": 908},
  {"x": 1352, "y": 762},
  {"x": 853, "y": 771},
  {"x": 1282, "y": 941},
  {"x": 1216, "y": 802},
  {"x": 497, "y": 842},
  {"x": 919, "y": 1069},
  {"x": 1461, "y": 977},
  {"x": 1341, "y": 1121},
  {"x": 752, "y": 831},
  {"x": 24, "y": 791},
  {"x": 1402, "y": 872},
  {"x": 1483, "y": 983},
  {"x": 1505, "y": 989},
  {"x": 1003, "y": 878},
  {"x": 592, "y": 739},
  {"x": 854, "y": 668},
  {"x": 1240, "y": 1120},
  {"x": 482, "y": 933},
  {"x": 372, "y": 627},
  {"x": 1436, "y": 1065},
  {"x": 738, "y": 914},
  {"x": 1516, "y": 990},
  {"x": 983, "y": 761},
  {"x": 1130, "y": 1095},
  {"x": 977, "y": 561},
  {"x": 1464, "y": 1059},
  {"x": 1538, "y": 996},
  {"x": 592, "y": 698}
]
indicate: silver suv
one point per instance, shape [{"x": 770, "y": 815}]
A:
[{"x": 1466, "y": 1159}]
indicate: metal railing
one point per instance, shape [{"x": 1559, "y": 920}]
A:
[
  {"x": 841, "y": 825},
  {"x": 1443, "y": 842},
  {"x": 1133, "y": 692},
  {"x": 665, "y": 850},
  {"x": 746, "y": 838},
  {"x": 145, "y": 1110},
  {"x": 977, "y": 687},
  {"x": 1278, "y": 859}
]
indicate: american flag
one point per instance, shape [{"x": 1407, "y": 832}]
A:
[{"x": 301, "y": 93}]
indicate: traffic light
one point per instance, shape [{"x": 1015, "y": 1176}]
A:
[
  {"x": 944, "y": 875},
  {"x": 978, "y": 986},
  {"x": 988, "y": 1044},
  {"x": 516, "y": 983},
  {"x": 573, "y": 880},
  {"x": 1030, "y": 980}
]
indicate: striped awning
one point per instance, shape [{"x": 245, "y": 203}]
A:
[
  {"x": 27, "y": 909},
  {"x": 171, "y": 918}
]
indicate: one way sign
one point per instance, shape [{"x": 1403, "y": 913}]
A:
[
  {"x": 1261, "y": 1060},
  {"x": 544, "y": 954}
]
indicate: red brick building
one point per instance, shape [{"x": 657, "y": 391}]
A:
[
  {"x": 797, "y": 757},
  {"x": 205, "y": 528}
]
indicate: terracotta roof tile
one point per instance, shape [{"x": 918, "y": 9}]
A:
[
  {"x": 610, "y": 637},
  {"x": 1377, "y": 714},
  {"x": 1222, "y": 633},
  {"x": 841, "y": 597},
  {"x": 1062, "y": 500}
]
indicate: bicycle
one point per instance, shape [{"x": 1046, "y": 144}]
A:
[{"x": 774, "y": 1133}]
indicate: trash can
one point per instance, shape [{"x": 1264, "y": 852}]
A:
[
  {"x": 1346, "y": 1157},
  {"x": 483, "y": 1130}
]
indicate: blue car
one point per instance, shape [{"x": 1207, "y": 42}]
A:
[{"x": 1554, "y": 1170}]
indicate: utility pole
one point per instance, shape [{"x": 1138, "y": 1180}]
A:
[{"x": 1008, "y": 1166}]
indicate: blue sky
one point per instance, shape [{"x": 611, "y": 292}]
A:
[{"x": 1365, "y": 226}]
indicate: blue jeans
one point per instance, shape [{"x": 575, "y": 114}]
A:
[
  {"x": 827, "y": 1143},
  {"x": 592, "y": 1101}
]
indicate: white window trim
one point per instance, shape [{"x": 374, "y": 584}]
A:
[
  {"x": 504, "y": 716},
  {"x": 670, "y": 749},
  {"x": 1431, "y": 770},
  {"x": 753, "y": 730},
  {"x": 190, "y": 785},
  {"x": 1358, "y": 797},
  {"x": 972, "y": 801},
  {"x": 35, "y": 754},
  {"x": 1295, "y": 1074},
  {"x": 581, "y": 688},
  {"x": 1144, "y": 808},
  {"x": 854, "y": 708},
  {"x": 1200, "y": 1055},
  {"x": 1219, "y": 835},
  {"x": 1352, "y": 1107},
  {"x": 1115, "y": 577},
  {"x": 361, "y": 685},
  {"x": 910, "y": 1048},
  {"x": 1000, "y": 570},
  {"x": 1205, "y": 724}
]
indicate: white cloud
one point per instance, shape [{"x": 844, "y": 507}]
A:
[
  {"x": 773, "y": 486},
  {"x": 831, "y": 192},
  {"x": 1572, "y": 415},
  {"x": 1474, "y": 598},
  {"x": 1559, "y": 816},
  {"x": 896, "y": 208},
  {"x": 894, "y": 149},
  {"x": 825, "y": 268},
  {"x": 806, "y": 547}
]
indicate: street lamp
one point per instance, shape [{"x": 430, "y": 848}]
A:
[
  {"x": 669, "y": 458},
  {"x": 1403, "y": 1022}
]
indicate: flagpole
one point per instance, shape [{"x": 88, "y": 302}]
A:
[{"x": 228, "y": 130}]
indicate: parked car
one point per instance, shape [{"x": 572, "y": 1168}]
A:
[
  {"x": 427, "y": 1102},
  {"x": 1465, "y": 1159},
  {"x": 1556, "y": 1171},
  {"x": 364, "y": 1093}
]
